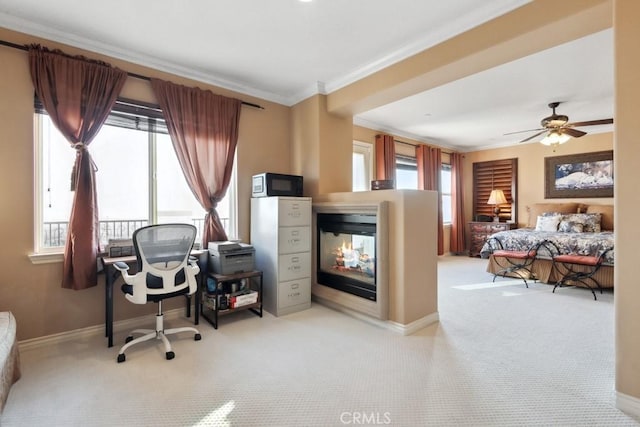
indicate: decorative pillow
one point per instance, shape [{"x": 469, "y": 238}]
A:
[
  {"x": 548, "y": 223},
  {"x": 537, "y": 209},
  {"x": 571, "y": 227},
  {"x": 606, "y": 223},
  {"x": 590, "y": 221}
]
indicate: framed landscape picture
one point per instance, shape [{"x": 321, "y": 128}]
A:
[{"x": 579, "y": 175}]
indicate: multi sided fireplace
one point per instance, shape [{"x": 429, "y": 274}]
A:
[{"x": 346, "y": 253}]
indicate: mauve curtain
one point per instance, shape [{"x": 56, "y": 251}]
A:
[
  {"x": 386, "y": 158},
  {"x": 429, "y": 162},
  {"x": 78, "y": 94},
  {"x": 204, "y": 131},
  {"x": 457, "y": 204}
]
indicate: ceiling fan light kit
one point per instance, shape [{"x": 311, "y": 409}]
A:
[{"x": 554, "y": 137}]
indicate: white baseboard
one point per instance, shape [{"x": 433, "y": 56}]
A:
[
  {"x": 90, "y": 331},
  {"x": 628, "y": 404},
  {"x": 386, "y": 324},
  {"x": 415, "y": 325}
]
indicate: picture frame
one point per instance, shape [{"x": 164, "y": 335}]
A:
[{"x": 579, "y": 175}]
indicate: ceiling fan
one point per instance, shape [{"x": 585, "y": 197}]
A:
[{"x": 558, "y": 128}]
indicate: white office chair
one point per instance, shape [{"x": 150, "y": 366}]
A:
[{"x": 165, "y": 270}]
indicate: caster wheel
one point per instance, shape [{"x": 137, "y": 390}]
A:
[
  {"x": 170, "y": 355},
  {"x": 197, "y": 337},
  {"x": 121, "y": 358},
  {"x": 128, "y": 339}
]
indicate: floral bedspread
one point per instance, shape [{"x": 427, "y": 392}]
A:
[{"x": 522, "y": 239}]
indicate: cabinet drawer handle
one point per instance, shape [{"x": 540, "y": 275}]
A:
[
  {"x": 295, "y": 232},
  {"x": 295, "y": 286},
  {"x": 295, "y": 259}
]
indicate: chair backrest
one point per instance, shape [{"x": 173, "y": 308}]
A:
[{"x": 163, "y": 253}]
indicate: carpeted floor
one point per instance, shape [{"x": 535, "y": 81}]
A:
[{"x": 501, "y": 355}]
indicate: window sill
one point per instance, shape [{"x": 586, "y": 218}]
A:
[{"x": 46, "y": 258}]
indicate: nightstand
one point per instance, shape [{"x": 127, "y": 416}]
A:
[{"x": 480, "y": 232}]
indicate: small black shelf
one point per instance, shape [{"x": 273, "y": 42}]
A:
[{"x": 254, "y": 283}]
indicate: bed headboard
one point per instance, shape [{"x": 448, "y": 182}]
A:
[
  {"x": 538, "y": 209},
  {"x": 606, "y": 211}
]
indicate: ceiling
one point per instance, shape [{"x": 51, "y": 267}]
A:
[{"x": 287, "y": 50}]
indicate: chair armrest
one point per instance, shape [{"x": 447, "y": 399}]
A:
[{"x": 121, "y": 266}]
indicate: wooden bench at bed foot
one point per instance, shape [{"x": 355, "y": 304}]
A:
[{"x": 578, "y": 269}]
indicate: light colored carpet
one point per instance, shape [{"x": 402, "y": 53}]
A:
[{"x": 501, "y": 355}]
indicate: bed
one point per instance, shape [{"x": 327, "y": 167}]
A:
[{"x": 574, "y": 228}]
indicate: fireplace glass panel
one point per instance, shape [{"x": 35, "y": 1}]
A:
[{"x": 349, "y": 255}]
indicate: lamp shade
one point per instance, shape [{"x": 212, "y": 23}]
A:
[{"x": 497, "y": 198}]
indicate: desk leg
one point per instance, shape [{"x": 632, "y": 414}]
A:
[
  {"x": 110, "y": 273},
  {"x": 202, "y": 277}
]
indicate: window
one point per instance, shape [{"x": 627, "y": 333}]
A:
[
  {"x": 407, "y": 178},
  {"x": 406, "y": 173},
  {"x": 138, "y": 180},
  {"x": 362, "y": 166},
  {"x": 445, "y": 185}
]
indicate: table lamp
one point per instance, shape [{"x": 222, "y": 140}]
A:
[{"x": 496, "y": 198}]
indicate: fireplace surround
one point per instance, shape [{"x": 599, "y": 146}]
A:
[{"x": 406, "y": 250}]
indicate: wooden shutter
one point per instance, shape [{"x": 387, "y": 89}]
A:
[{"x": 495, "y": 175}]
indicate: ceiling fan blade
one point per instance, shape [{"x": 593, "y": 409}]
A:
[
  {"x": 572, "y": 132},
  {"x": 533, "y": 136},
  {"x": 522, "y": 131},
  {"x": 591, "y": 123}
]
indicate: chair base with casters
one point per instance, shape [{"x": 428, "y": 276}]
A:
[
  {"x": 159, "y": 333},
  {"x": 578, "y": 269}
]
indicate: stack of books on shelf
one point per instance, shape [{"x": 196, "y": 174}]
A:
[{"x": 251, "y": 297}]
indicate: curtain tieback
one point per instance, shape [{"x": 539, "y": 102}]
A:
[{"x": 79, "y": 146}]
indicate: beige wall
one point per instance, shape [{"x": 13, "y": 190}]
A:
[
  {"x": 33, "y": 292},
  {"x": 322, "y": 147},
  {"x": 531, "y": 170},
  {"x": 627, "y": 232}
]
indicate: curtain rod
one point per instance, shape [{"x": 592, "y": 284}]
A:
[
  {"x": 415, "y": 145},
  {"x": 134, "y": 75}
]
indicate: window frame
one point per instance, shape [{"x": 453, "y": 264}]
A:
[
  {"x": 366, "y": 150},
  {"x": 121, "y": 116},
  {"x": 446, "y": 166}
]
